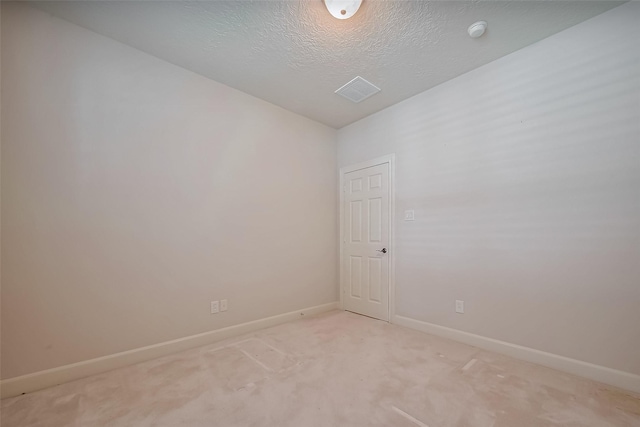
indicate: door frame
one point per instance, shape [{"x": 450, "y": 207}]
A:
[{"x": 390, "y": 159}]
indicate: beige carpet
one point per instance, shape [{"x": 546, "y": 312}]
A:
[{"x": 337, "y": 369}]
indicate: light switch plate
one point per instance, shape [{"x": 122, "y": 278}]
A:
[{"x": 409, "y": 215}]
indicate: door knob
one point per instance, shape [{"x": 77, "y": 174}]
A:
[{"x": 383, "y": 250}]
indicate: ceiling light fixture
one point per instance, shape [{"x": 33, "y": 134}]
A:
[
  {"x": 477, "y": 29},
  {"x": 342, "y": 9}
]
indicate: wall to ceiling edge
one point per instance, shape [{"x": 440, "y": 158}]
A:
[
  {"x": 135, "y": 192},
  {"x": 524, "y": 176}
]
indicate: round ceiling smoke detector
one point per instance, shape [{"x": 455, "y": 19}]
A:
[
  {"x": 342, "y": 9},
  {"x": 477, "y": 29}
]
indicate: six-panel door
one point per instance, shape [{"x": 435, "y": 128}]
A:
[{"x": 365, "y": 263}]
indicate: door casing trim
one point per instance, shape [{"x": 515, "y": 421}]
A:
[{"x": 390, "y": 159}]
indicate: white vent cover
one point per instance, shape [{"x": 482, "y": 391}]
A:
[{"x": 358, "y": 90}]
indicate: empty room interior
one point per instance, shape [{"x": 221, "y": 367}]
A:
[{"x": 320, "y": 213}]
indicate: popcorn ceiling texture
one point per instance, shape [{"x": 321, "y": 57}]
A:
[{"x": 295, "y": 54}]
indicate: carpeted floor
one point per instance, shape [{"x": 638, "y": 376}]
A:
[{"x": 337, "y": 369}]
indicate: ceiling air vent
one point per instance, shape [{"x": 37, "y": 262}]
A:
[{"x": 358, "y": 90}]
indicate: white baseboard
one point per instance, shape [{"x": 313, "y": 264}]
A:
[
  {"x": 621, "y": 379},
  {"x": 51, "y": 377}
]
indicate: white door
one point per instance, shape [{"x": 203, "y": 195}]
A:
[{"x": 365, "y": 240}]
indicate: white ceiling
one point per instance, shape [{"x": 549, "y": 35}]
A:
[{"x": 294, "y": 54}]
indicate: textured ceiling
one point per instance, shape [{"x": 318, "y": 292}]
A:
[{"x": 294, "y": 54}]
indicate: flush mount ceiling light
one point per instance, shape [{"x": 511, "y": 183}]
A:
[
  {"x": 342, "y": 9},
  {"x": 477, "y": 29}
]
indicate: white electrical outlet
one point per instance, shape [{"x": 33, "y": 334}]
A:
[
  {"x": 214, "y": 307},
  {"x": 223, "y": 305},
  {"x": 409, "y": 215},
  {"x": 459, "y": 306}
]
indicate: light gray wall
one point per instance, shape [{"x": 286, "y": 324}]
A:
[
  {"x": 525, "y": 179},
  {"x": 135, "y": 192}
]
